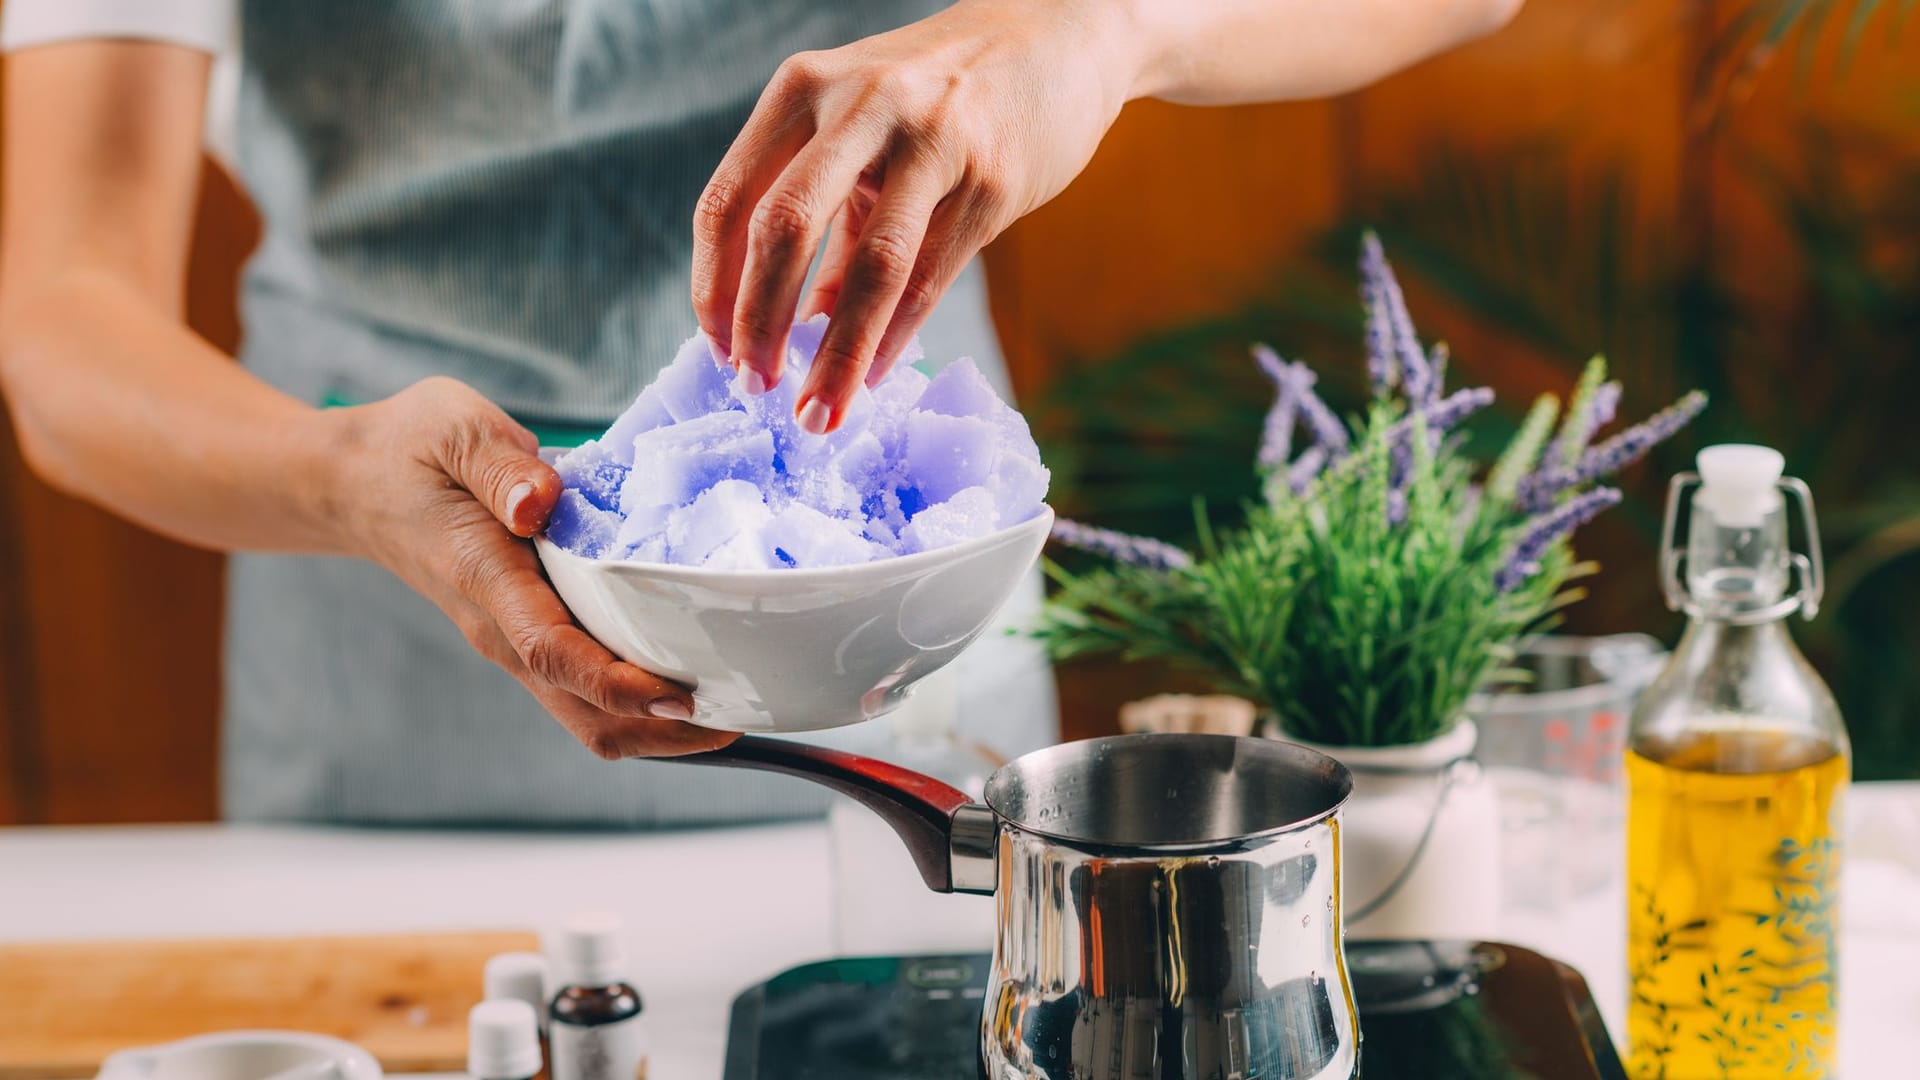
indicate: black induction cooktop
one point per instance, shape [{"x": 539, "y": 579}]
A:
[{"x": 1428, "y": 1011}]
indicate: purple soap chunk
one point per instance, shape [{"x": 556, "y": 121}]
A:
[
  {"x": 675, "y": 463},
  {"x": 804, "y": 339},
  {"x": 695, "y": 384},
  {"x": 699, "y": 472},
  {"x": 592, "y": 469},
  {"x": 646, "y": 413},
  {"x": 960, "y": 390},
  {"x": 581, "y": 527},
  {"x": 947, "y": 453}
]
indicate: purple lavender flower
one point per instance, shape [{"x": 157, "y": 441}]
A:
[
  {"x": 1437, "y": 418},
  {"x": 1601, "y": 406},
  {"x": 1387, "y": 310},
  {"x": 1305, "y": 468},
  {"x": 1606, "y": 402},
  {"x": 1447, "y": 413},
  {"x": 1276, "y": 437},
  {"x": 1328, "y": 431},
  {"x": 1383, "y": 367},
  {"x": 1543, "y": 531},
  {"x": 1538, "y": 491},
  {"x": 1121, "y": 547},
  {"x": 1270, "y": 362},
  {"x": 1437, "y": 358}
]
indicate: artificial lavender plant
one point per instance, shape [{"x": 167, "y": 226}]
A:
[{"x": 1384, "y": 577}]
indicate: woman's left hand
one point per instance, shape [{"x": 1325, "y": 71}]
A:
[{"x": 908, "y": 152}]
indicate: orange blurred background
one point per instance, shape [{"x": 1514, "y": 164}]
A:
[{"x": 1517, "y": 181}]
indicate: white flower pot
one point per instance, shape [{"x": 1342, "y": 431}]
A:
[{"x": 1419, "y": 840}]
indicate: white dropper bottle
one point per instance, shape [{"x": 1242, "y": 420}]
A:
[{"x": 503, "y": 1041}]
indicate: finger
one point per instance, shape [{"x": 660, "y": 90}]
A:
[
  {"x": 496, "y": 459},
  {"x": 607, "y": 735},
  {"x": 877, "y": 270},
  {"x": 504, "y": 581},
  {"x": 960, "y": 228},
  {"x": 833, "y": 263},
  {"x": 775, "y": 131},
  {"x": 613, "y": 737},
  {"x": 783, "y": 238}
]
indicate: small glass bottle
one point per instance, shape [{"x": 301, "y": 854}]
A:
[
  {"x": 503, "y": 1041},
  {"x": 880, "y": 904},
  {"x": 520, "y": 976},
  {"x": 594, "y": 1025},
  {"x": 1736, "y": 766}
]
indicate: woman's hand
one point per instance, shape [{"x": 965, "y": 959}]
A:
[
  {"x": 908, "y": 151},
  {"x": 440, "y": 487}
]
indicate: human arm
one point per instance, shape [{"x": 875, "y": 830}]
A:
[
  {"x": 116, "y": 401},
  {"x": 909, "y": 151}
]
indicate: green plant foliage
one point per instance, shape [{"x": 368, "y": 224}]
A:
[{"x": 1377, "y": 585}]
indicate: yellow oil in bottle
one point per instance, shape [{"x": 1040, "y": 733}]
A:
[{"x": 1732, "y": 867}]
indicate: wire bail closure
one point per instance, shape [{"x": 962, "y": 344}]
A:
[{"x": 1809, "y": 567}]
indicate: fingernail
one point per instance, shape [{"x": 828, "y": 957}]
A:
[
  {"x": 814, "y": 416},
  {"x": 520, "y": 493},
  {"x": 755, "y": 382},
  {"x": 667, "y": 708}
]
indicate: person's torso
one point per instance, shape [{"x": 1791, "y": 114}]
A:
[
  {"x": 503, "y": 192},
  {"x": 499, "y": 191}
]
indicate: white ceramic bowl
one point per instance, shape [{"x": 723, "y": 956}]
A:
[
  {"x": 797, "y": 650},
  {"x": 240, "y": 1055}
]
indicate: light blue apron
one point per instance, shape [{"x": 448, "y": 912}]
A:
[{"x": 501, "y": 192}]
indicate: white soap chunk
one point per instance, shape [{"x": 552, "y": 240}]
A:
[
  {"x": 969, "y": 514},
  {"x": 802, "y": 537},
  {"x": 1019, "y": 486},
  {"x": 747, "y": 551},
  {"x": 723, "y": 511}
]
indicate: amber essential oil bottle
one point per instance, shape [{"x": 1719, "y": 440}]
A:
[{"x": 594, "y": 1022}]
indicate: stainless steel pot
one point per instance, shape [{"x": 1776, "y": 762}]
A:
[{"x": 1169, "y": 905}]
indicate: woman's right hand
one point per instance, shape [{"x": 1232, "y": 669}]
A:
[{"x": 441, "y": 487}]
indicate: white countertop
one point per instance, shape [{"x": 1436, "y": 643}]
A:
[{"x": 709, "y": 913}]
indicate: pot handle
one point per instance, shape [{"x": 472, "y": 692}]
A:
[{"x": 948, "y": 835}]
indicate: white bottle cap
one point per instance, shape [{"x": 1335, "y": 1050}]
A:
[
  {"x": 590, "y": 950},
  {"x": 1739, "y": 485},
  {"x": 520, "y": 976},
  {"x": 503, "y": 1041}
]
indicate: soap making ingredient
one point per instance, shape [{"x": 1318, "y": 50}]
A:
[{"x": 700, "y": 471}]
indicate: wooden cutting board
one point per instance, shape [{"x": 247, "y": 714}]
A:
[{"x": 65, "y": 1006}]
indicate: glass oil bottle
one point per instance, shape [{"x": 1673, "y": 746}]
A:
[{"x": 1737, "y": 764}]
